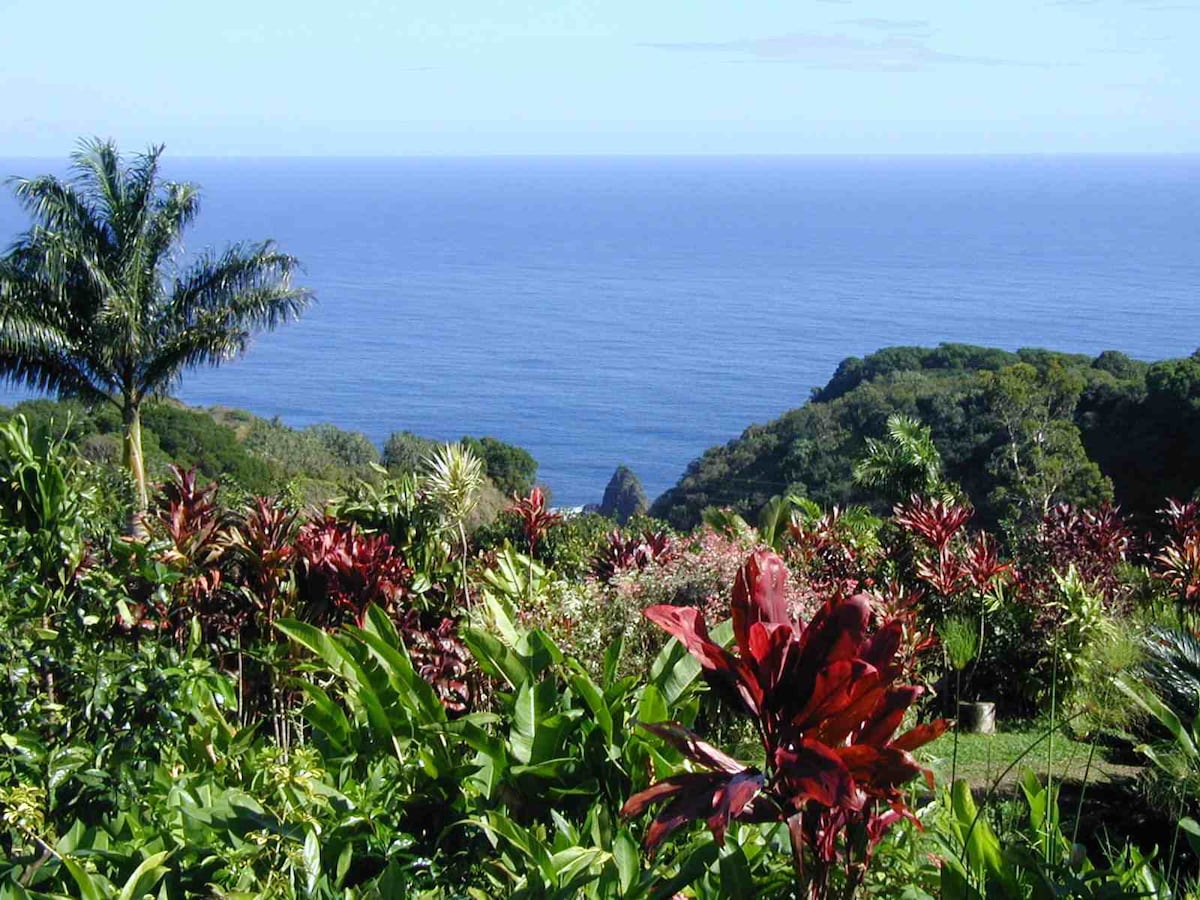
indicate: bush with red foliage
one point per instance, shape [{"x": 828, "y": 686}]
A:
[
  {"x": 947, "y": 561},
  {"x": 827, "y": 557},
  {"x": 622, "y": 553},
  {"x": 340, "y": 571},
  {"x": 440, "y": 657},
  {"x": 535, "y": 518},
  {"x": 1095, "y": 541},
  {"x": 1177, "y": 564},
  {"x": 826, "y": 700},
  {"x": 262, "y": 552},
  {"x": 188, "y": 534}
]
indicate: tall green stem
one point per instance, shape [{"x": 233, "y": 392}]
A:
[
  {"x": 462, "y": 533},
  {"x": 1050, "y": 739},
  {"x": 957, "y": 707},
  {"x": 131, "y": 456}
]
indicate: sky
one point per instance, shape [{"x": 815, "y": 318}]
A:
[{"x": 532, "y": 77}]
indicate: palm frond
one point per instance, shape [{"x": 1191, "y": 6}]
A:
[
  {"x": 176, "y": 209},
  {"x": 251, "y": 282},
  {"x": 209, "y": 341},
  {"x": 56, "y": 207},
  {"x": 1172, "y": 669},
  {"x": 97, "y": 165},
  {"x": 35, "y": 354}
]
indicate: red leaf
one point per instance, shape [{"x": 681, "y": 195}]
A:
[
  {"x": 836, "y": 631},
  {"x": 730, "y": 799},
  {"x": 881, "y": 648},
  {"x": 728, "y": 674},
  {"x": 759, "y": 595},
  {"x": 831, "y": 692},
  {"x": 695, "y": 749},
  {"x": 879, "y": 770},
  {"x": 696, "y": 795},
  {"x": 641, "y": 801},
  {"x": 769, "y": 646},
  {"x": 866, "y": 694},
  {"x": 811, "y": 771},
  {"x": 687, "y": 624},
  {"x": 921, "y": 735},
  {"x": 888, "y": 716}
]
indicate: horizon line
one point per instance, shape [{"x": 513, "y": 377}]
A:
[{"x": 1023, "y": 154}]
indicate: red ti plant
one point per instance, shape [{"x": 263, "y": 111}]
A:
[
  {"x": 1094, "y": 541},
  {"x": 621, "y": 553},
  {"x": 953, "y": 563},
  {"x": 440, "y": 657},
  {"x": 936, "y": 521},
  {"x": 191, "y": 521},
  {"x": 341, "y": 571},
  {"x": 1178, "y": 564},
  {"x": 826, "y": 702},
  {"x": 261, "y": 544},
  {"x": 535, "y": 518}
]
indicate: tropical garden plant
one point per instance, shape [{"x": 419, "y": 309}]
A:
[{"x": 826, "y": 704}]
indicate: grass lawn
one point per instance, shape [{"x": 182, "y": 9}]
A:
[{"x": 983, "y": 757}]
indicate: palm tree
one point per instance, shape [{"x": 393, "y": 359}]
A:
[
  {"x": 906, "y": 462},
  {"x": 97, "y": 303}
]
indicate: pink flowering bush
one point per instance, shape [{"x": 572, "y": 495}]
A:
[{"x": 701, "y": 574}]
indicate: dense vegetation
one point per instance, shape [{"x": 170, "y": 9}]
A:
[
  {"x": 258, "y": 699},
  {"x": 253, "y": 455},
  {"x": 1018, "y": 432}
]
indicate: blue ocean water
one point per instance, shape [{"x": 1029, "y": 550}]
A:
[{"x": 607, "y": 311}]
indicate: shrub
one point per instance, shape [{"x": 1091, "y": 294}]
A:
[{"x": 826, "y": 705}]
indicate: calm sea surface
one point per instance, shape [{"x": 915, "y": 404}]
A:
[{"x": 607, "y": 311}]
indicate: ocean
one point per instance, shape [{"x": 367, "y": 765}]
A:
[{"x": 606, "y": 311}]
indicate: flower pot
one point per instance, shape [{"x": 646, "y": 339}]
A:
[{"x": 977, "y": 718}]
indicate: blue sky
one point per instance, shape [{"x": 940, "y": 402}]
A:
[{"x": 397, "y": 77}]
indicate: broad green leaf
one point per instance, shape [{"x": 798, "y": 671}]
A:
[
  {"x": 736, "y": 880},
  {"x": 327, "y": 717},
  {"x": 583, "y": 685},
  {"x": 568, "y": 864},
  {"x": 312, "y": 859},
  {"x": 89, "y": 887},
  {"x": 652, "y": 707},
  {"x": 627, "y": 856},
  {"x": 495, "y": 658},
  {"x": 144, "y": 877}
]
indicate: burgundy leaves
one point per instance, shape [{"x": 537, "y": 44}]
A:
[
  {"x": 635, "y": 552},
  {"x": 953, "y": 562},
  {"x": 1178, "y": 564},
  {"x": 536, "y": 519},
  {"x": 825, "y": 703},
  {"x": 341, "y": 571}
]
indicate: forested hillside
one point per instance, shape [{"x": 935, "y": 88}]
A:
[
  {"x": 1017, "y": 431},
  {"x": 263, "y": 456}
]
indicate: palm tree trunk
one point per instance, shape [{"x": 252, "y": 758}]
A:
[{"x": 133, "y": 460}]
